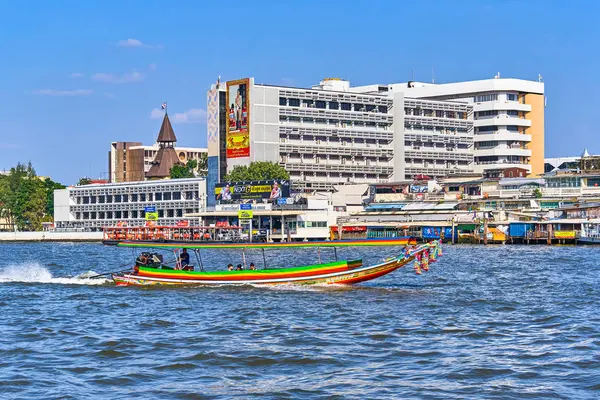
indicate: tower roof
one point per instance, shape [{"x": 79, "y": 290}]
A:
[
  {"x": 163, "y": 162},
  {"x": 166, "y": 133}
]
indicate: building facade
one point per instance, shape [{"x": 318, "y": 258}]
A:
[
  {"x": 94, "y": 207},
  {"x": 508, "y": 118},
  {"x": 329, "y": 135}
]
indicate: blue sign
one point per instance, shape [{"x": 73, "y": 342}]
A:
[
  {"x": 282, "y": 201},
  {"x": 245, "y": 206},
  {"x": 150, "y": 209}
]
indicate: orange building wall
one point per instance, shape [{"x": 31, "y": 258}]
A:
[{"x": 536, "y": 116}]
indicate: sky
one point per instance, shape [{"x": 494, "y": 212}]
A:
[{"x": 78, "y": 75}]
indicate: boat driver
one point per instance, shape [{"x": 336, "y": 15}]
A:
[{"x": 184, "y": 258}]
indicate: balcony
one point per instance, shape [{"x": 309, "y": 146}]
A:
[
  {"x": 502, "y": 135},
  {"x": 502, "y": 151},
  {"x": 502, "y": 120},
  {"x": 502, "y": 106},
  {"x": 480, "y": 166}
]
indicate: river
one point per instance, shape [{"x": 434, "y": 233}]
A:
[{"x": 484, "y": 322}]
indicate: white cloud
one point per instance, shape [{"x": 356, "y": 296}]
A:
[
  {"x": 130, "y": 77},
  {"x": 157, "y": 114},
  {"x": 130, "y": 43},
  {"x": 54, "y": 92},
  {"x": 195, "y": 115},
  {"x": 76, "y": 75},
  {"x": 192, "y": 116}
]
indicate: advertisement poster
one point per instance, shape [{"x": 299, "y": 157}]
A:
[
  {"x": 272, "y": 190},
  {"x": 238, "y": 120}
]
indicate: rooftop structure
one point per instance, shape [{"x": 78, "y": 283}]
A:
[{"x": 166, "y": 156}]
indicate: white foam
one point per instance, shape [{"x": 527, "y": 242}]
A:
[{"x": 36, "y": 273}]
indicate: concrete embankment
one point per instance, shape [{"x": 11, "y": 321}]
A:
[{"x": 50, "y": 237}]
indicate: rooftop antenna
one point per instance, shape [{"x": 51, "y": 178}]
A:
[{"x": 540, "y": 78}]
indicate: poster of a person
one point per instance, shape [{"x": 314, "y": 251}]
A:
[
  {"x": 275, "y": 192},
  {"x": 225, "y": 193}
]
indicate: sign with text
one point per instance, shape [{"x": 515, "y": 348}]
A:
[
  {"x": 245, "y": 206},
  {"x": 272, "y": 190},
  {"x": 150, "y": 209},
  {"x": 151, "y": 216},
  {"x": 245, "y": 214}
]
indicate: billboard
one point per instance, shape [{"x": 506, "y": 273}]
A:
[
  {"x": 272, "y": 190},
  {"x": 238, "y": 119}
]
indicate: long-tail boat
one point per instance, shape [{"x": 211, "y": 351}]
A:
[{"x": 149, "y": 269}]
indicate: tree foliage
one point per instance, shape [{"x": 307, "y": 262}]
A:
[
  {"x": 257, "y": 171},
  {"x": 84, "y": 181},
  {"x": 26, "y": 200},
  {"x": 191, "y": 169}
]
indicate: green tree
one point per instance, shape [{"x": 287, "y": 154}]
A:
[
  {"x": 26, "y": 200},
  {"x": 181, "y": 171},
  {"x": 537, "y": 193},
  {"x": 257, "y": 171},
  {"x": 84, "y": 181}
]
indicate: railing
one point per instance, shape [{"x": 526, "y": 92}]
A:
[{"x": 163, "y": 233}]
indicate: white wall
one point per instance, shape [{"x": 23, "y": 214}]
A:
[{"x": 61, "y": 205}]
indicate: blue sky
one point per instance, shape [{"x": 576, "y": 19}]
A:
[{"x": 72, "y": 81}]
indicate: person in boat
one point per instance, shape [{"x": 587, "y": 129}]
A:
[
  {"x": 184, "y": 258},
  {"x": 239, "y": 267},
  {"x": 252, "y": 267},
  {"x": 230, "y": 267}
]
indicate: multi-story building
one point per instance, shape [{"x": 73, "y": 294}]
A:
[
  {"x": 329, "y": 135},
  {"x": 97, "y": 206},
  {"x": 509, "y": 118}
]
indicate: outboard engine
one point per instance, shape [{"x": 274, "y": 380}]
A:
[{"x": 148, "y": 259}]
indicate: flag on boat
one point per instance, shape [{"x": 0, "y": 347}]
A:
[{"x": 164, "y": 105}]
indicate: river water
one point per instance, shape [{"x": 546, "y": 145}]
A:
[{"x": 484, "y": 322}]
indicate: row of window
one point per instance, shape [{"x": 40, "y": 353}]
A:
[
  {"x": 312, "y": 224},
  {"x": 119, "y": 215},
  {"x": 491, "y": 113},
  {"x": 334, "y": 122},
  {"x": 435, "y": 113},
  {"x": 333, "y": 139},
  {"x": 493, "y": 128},
  {"x": 330, "y": 175},
  {"x": 331, "y": 105},
  {"x": 449, "y": 131},
  {"x": 142, "y": 197}
]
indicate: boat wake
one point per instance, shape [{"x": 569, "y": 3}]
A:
[{"x": 36, "y": 273}]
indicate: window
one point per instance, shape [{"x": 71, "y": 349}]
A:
[
  {"x": 512, "y": 128},
  {"x": 293, "y": 119},
  {"x": 315, "y": 224},
  {"x": 319, "y": 104},
  {"x": 511, "y": 97},
  {"x": 487, "y": 113},
  {"x": 294, "y": 102},
  {"x": 158, "y": 196},
  {"x": 134, "y": 214},
  {"x": 161, "y": 213},
  {"x": 125, "y": 214},
  {"x": 170, "y": 213},
  {"x": 101, "y": 199},
  {"x": 282, "y": 101},
  {"x": 86, "y": 200},
  {"x": 513, "y": 112},
  {"x": 486, "y": 97},
  {"x": 382, "y": 109},
  {"x": 93, "y": 199},
  {"x": 167, "y": 196},
  {"x": 346, "y": 106},
  {"x": 334, "y": 105},
  {"x": 359, "y": 107},
  {"x": 176, "y": 195},
  {"x": 307, "y": 103},
  {"x": 491, "y": 128},
  {"x": 142, "y": 196},
  {"x": 117, "y": 198},
  {"x": 134, "y": 197},
  {"x": 118, "y": 214},
  {"x": 109, "y": 199}
]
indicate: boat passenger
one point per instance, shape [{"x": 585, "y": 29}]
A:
[
  {"x": 239, "y": 267},
  {"x": 230, "y": 267},
  {"x": 252, "y": 267},
  {"x": 184, "y": 258}
]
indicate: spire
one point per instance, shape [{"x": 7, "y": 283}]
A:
[
  {"x": 585, "y": 153},
  {"x": 166, "y": 133}
]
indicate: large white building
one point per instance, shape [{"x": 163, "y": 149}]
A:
[
  {"x": 329, "y": 134},
  {"x": 509, "y": 118},
  {"x": 96, "y": 206}
]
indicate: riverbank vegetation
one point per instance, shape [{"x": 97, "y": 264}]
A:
[{"x": 26, "y": 200}]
